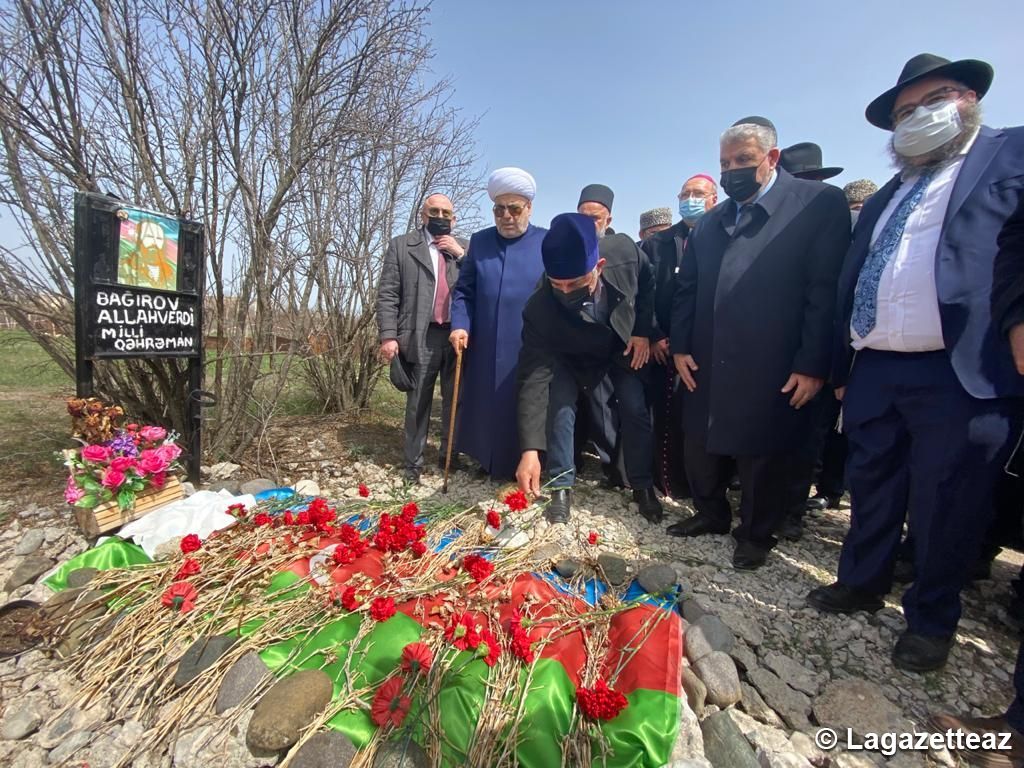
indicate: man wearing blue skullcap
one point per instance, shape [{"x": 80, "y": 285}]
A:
[{"x": 577, "y": 328}]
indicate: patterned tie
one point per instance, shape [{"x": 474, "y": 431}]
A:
[
  {"x": 441, "y": 295},
  {"x": 865, "y": 295}
]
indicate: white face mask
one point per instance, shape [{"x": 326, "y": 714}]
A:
[{"x": 927, "y": 129}]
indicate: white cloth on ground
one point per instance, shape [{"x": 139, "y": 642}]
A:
[{"x": 202, "y": 513}]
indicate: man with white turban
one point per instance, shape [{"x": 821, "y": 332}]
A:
[{"x": 499, "y": 272}]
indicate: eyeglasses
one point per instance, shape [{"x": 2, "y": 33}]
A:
[
  {"x": 439, "y": 213},
  {"x": 932, "y": 99},
  {"x": 514, "y": 209}
]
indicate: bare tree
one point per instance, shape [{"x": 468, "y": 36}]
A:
[{"x": 299, "y": 132}]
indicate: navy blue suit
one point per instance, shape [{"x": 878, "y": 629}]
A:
[{"x": 929, "y": 432}]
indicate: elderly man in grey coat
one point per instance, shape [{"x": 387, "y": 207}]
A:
[{"x": 414, "y": 316}]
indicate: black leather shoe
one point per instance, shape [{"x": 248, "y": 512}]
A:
[
  {"x": 821, "y": 501},
  {"x": 412, "y": 476},
  {"x": 919, "y": 653},
  {"x": 558, "y": 510},
  {"x": 792, "y": 528},
  {"x": 698, "y": 525},
  {"x": 649, "y": 505},
  {"x": 748, "y": 556},
  {"x": 839, "y": 598}
]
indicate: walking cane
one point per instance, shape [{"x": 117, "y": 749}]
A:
[{"x": 451, "y": 420}]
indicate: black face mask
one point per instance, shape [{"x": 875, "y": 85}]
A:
[
  {"x": 438, "y": 226},
  {"x": 574, "y": 301},
  {"x": 741, "y": 184}
]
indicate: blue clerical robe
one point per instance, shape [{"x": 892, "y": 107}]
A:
[{"x": 497, "y": 277}]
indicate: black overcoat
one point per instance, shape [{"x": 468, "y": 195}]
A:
[{"x": 753, "y": 304}]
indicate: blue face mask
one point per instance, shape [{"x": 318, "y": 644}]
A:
[{"x": 691, "y": 209}]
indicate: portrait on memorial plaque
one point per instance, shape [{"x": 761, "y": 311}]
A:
[{"x": 148, "y": 250}]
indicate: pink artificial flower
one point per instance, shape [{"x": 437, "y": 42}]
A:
[
  {"x": 153, "y": 434},
  {"x": 168, "y": 452},
  {"x": 151, "y": 462},
  {"x": 96, "y": 454},
  {"x": 122, "y": 463},
  {"x": 112, "y": 479},
  {"x": 72, "y": 492}
]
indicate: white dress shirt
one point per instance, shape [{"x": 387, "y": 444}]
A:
[
  {"x": 433, "y": 266},
  {"x": 907, "y": 318}
]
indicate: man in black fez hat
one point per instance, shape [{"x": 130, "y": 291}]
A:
[{"x": 931, "y": 402}]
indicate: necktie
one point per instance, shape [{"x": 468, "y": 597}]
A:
[
  {"x": 865, "y": 295},
  {"x": 745, "y": 217},
  {"x": 441, "y": 294}
]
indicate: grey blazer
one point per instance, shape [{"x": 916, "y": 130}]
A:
[{"x": 405, "y": 298}]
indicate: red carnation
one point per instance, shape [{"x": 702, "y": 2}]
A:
[
  {"x": 350, "y": 599},
  {"x": 462, "y": 632},
  {"x": 494, "y": 520},
  {"x": 181, "y": 596},
  {"x": 592, "y": 538},
  {"x": 364, "y": 491},
  {"x": 289, "y": 518},
  {"x": 489, "y": 648},
  {"x": 600, "y": 702},
  {"x": 188, "y": 568},
  {"x": 303, "y": 518},
  {"x": 382, "y": 608},
  {"x": 419, "y": 549},
  {"x": 409, "y": 511},
  {"x": 478, "y": 567},
  {"x": 389, "y": 705},
  {"x": 237, "y": 510},
  {"x": 417, "y": 658},
  {"x": 191, "y": 543},
  {"x": 262, "y": 519},
  {"x": 517, "y": 501}
]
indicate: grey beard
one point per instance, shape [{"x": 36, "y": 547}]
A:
[{"x": 970, "y": 119}]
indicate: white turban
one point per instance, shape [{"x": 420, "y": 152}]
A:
[{"x": 511, "y": 181}]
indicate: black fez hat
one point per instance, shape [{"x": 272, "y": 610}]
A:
[
  {"x": 597, "y": 193},
  {"x": 401, "y": 374},
  {"x": 755, "y": 120},
  {"x": 976, "y": 75},
  {"x": 803, "y": 160}
]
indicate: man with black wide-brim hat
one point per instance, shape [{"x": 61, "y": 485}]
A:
[
  {"x": 803, "y": 160},
  {"x": 930, "y": 392}
]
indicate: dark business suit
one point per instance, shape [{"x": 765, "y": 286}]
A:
[
  {"x": 405, "y": 309},
  {"x": 754, "y": 303},
  {"x": 564, "y": 355},
  {"x": 929, "y": 432},
  {"x": 665, "y": 250}
]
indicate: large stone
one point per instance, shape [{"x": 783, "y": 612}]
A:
[
  {"x": 401, "y": 754},
  {"x": 769, "y": 759},
  {"x": 30, "y": 542},
  {"x": 657, "y": 578},
  {"x": 744, "y": 657},
  {"x": 718, "y": 673},
  {"x": 691, "y": 609},
  {"x": 326, "y": 749},
  {"x": 27, "y": 571},
  {"x": 200, "y": 656},
  {"x": 758, "y": 735},
  {"x": 567, "y": 567},
  {"x": 793, "y": 672},
  {"x": 223, "y": 470},
  {"x": 258, "y": 485},
  {"x": 614, "y": 568},
  {"x": 859, "y": 705},
  {"x": 717, "y": 633},
  {"x": 791, "y": 705},
  {"x": 756, "y": 707},
  {"x": 724, "y": 743},
  {"x": 690, "y": 741},
  {"x": 307, "y": 488},
  {"x": 288, "y": 708},
  {"x": 20, "y": 722},
  {"x": 80, "y": 577},
  {"x": 56, "y": 731},
  {"x": 69, "y": 746},
  {"x": 231, "y": 486},
  {"x": 244, "y": 677},
  {"x": 30, "y": 757},
  {"x": 743, "y": 624},
  {"x": 696, "y": 691}
]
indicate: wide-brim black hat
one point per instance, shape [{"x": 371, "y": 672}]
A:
[
  {"x": 976, "y": 75},
  {"x": 401, "y": 374},
  {"x": 803, "y": 160}
]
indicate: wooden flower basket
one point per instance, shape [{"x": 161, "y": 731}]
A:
[{"x": 108, "y": 515}]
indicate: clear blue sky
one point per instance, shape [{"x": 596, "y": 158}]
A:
[{"x": 635, "y": 94}]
